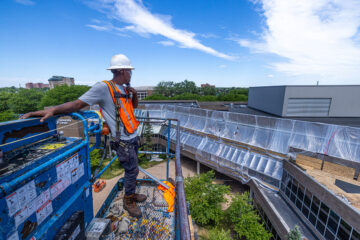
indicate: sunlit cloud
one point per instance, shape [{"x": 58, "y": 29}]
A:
[
  {"x": 97, "y": 27},
  {"x": 319, "y": 37},
  {"x": 145, "y": 23},
  {"x": 167, "y": 43}
]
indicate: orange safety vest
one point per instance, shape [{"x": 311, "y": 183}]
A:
[{"x": 124, "y": 110}]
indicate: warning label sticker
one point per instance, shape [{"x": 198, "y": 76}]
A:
[
  {"x": 14, "y": 236},
  {"x": 43, "y": 198},
  {"x": 21, "y": 197},
  {"x": 60, "y": 186},
  {"x": 43, "y": 212},
  {"x": 65, "y": 167},
  {"x": 26, "y": 194},
  {"x": 21, "y": 216},
  {"x": 12, "y": 203},
  {"x": 77, "y": 173}
]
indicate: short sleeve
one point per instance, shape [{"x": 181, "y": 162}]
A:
[{"x": 95, "y": 94}]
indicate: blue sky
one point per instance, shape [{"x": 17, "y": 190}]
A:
[{"x": 227, "y": 43}]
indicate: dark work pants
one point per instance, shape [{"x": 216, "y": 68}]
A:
[{"x": 128, "y": 159}]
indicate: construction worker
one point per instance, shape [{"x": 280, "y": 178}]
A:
[{"x": 116, "y": 99}]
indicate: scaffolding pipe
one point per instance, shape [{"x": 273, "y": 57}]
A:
[{"x": 180, "y": 192}]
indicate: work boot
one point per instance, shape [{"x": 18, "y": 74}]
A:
[
  {"x": 130, "y": 206},
  {"x": 139, "y": 197}
]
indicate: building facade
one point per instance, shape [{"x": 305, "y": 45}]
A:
[
  {"x": 60, "y": 80},
  {"x": 144, "y": 91},
  {"x": 31, "y": 85}
]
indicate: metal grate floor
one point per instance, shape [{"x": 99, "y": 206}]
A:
[{"x": 155, "y": 223}]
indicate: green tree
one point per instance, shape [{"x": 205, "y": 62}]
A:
[
  {"x": 62, "y": 94},
  {"x": 5, "y": 100},
  {"x": 205, "y": 198},
  {"x": 207, "y": 90},
  {"x": 185, "y": 87},
  {"x": 148, "y": 133},
  {"x": 156, "y": 97},
  {"x": 233, "y": 95},
  {"x": 295, "y": 233},
  {"x": 7, "y": 116},
  {"x": 165, "y": 88},
  {"x": 245, "y": 220},
  {"x": 186, "y": 96},
  {"x": 26, "y": 100},
  {"x": 207, "y": 98}
]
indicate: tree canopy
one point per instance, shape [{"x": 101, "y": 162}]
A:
[
  {"x": 62, "y": 94},
  {"x": 25, "y": 100},
  {"x": 187, "y": 90}
]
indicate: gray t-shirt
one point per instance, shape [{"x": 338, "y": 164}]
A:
[{"x": 100, "y": 94}]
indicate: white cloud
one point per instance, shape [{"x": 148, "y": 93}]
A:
[
  {"x": 25, "y": 2},
  {"x": 97, "y": 27},
  {"x": 222, "y": 66},
  {"x": 167, "y": 43},
  {"x": 270, "y": 76},
  {"x": 315, "y": 37},
  {"x": 208, "y": 35},
  {"x": 146, "y": 23}
]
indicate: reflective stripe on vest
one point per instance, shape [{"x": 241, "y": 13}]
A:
[{"x": 124, "y": 110}]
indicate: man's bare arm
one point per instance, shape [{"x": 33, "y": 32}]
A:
[
  {"x": 134, "y": 100},
  {"x": 68, "y": 107}
]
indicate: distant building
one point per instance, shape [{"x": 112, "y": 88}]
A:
[
  {"x": 31, "y": 85},
  {"x": 60, "y": 80},
  {"x": 144, "y": 91},
  {"x": 207, "y": 85}
]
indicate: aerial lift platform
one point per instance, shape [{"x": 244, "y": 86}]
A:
[{"x": 46, "y": 187}]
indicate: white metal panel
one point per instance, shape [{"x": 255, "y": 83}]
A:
[{"x": 308, "y": 107}]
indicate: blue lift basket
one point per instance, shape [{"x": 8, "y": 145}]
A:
[{"x": 46, "y": 180}]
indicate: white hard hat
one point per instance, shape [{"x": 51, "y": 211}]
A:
[{"x": 120, "y": 61}]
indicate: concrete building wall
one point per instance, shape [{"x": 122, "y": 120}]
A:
[
  {"x": 59, "y": 80},
  {"x": 345, "y": 100},
  {"x": 267, "y": 99}
]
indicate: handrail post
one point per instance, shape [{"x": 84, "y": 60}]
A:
[
  {"x": 180, "y": 192},
  {"x": 168, "y": 150}
]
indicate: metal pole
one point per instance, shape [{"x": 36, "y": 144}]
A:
[
  {"x": 168, "y": 150},
  {"x": 198, "y": 168},
  {"x": 153, "y": 177},
  {"x": 180, "y": 192}
]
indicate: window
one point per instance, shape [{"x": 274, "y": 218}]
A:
[
  {"x": 307, "y": 198},
  {"x": 301, "y": 192},
  {"x": 327, "y": 222},
  {"x": 315, "y": 205},
  {"x": 312, "y": 218},
  {"x": 333, "y": 222},
  {"x": 329, "y": 235},
  {"x": 294, "y": 186},
  {"x": 344, "y": 230},
  {"x": 305, "y": 211},
  {"x": 320, "y": 227},
  {"x": 355, "y": 235},
  {"x": 324, "y": 212}
]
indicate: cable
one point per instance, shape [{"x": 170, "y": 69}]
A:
[{"x": 102, "y": 158}]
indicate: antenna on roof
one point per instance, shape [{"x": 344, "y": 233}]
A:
[{"x": 317, "y": 83}]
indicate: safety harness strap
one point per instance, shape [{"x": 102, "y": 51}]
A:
[{"x": 120, "y": 100}]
